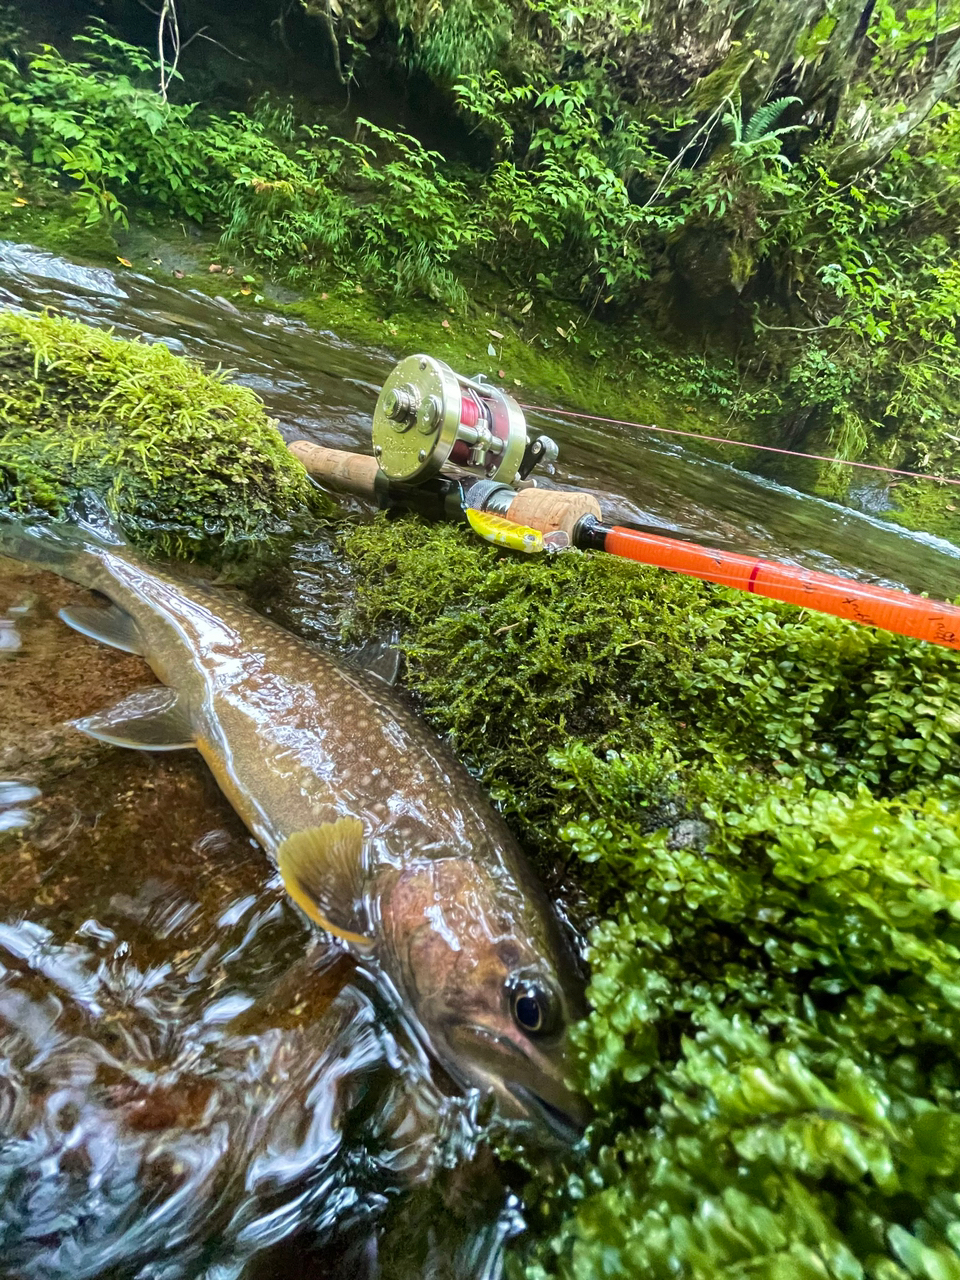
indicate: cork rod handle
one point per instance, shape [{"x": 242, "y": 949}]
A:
[{"x": 548, "y": 510}]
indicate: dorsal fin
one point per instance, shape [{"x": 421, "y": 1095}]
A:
[{"x": 323, "y": 872}]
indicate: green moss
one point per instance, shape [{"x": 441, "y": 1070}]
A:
[
  {"x": 40, "y": 214},
  {"x": 183, "y": 457},
  {"x": 774, "y": 1019},
  {"x": 925, "y": 505},
  {"x": 597, "y": 649},
  {"x": 760, "y": 804}
]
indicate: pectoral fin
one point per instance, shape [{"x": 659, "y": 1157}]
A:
[
  {"x": 380, "y": 658},
  {"x": 150, "y": 720},
  {"x": 322, "y": 870},
  {"x": 110, "y": 625}
]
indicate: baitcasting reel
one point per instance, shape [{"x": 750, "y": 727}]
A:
[{"x": 428, "y": 416}]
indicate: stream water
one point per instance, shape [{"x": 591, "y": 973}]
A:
[{"x": 188, "y": 1086}]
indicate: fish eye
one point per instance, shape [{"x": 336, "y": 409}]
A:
[{"x": 535, "y": 1009}]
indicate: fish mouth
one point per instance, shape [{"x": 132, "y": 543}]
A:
[
  {"x": 488, "y": 1058},
  {"x": 562, "y": 1125}
]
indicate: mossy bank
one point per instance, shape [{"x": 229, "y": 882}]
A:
[
  {"x": 188, "y": 462},
  {"x": 753, "y": 809},
  {"x": 759, "y": 807}
]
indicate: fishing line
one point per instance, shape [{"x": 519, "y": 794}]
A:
[
  {"x": 428, "y": 416},
  {"x": 743, "y": 444}
]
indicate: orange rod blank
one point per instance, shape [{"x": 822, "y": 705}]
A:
[
  {"x": 898, "y": 611},
  {"x": 547, "y": 510}
]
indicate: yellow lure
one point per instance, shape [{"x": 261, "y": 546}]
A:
[{"x": 505, "y": 533}]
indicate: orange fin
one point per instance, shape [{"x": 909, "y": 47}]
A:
[{"x": 322, "y": 870}]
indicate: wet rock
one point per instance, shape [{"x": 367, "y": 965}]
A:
[
  {"x": 211, "y": 469},
  {"x": 704, "y": 260},
  {"x": 689, "y": 833}
]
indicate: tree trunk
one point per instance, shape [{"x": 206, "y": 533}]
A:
[{"x": 857, "y": 156}]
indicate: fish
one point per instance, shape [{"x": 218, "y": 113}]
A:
[{"x": 381, "y": 835}]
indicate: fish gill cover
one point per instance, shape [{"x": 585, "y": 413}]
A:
[{"x": 758, "y": 809}]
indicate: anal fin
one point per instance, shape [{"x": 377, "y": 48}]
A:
[
  {"x": 152, "y": 719},
  {"x": 109, "y": 624}
]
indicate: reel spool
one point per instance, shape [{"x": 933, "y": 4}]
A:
[{"x": 428, "y": 416}]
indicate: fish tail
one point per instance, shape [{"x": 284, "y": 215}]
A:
[{"x": 72, "y": 548}]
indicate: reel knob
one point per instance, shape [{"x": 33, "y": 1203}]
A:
[
  {"x": 400, "y": 406},
  {"x": 422, "y": 393}
]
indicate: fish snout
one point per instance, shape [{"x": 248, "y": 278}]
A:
[
  {"x": 565, "y": 1122},
  {"x": 528, "y": 1081}
]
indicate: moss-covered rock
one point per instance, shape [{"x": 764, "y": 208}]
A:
[
  {"x": 187, "y": 461},
  {"x": 40, "y": 214},
  {"x": 761, "y": 804},
  {"x": 929, "y": 507}
]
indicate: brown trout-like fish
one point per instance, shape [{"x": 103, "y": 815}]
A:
[{"x": 382, "y": 837}]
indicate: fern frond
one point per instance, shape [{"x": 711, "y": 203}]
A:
[
  {"x": 732, "y": 116},
  {"x": 763, "y": 119}
]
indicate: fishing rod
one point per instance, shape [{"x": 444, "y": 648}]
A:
[{"x": 457, "y": 449}]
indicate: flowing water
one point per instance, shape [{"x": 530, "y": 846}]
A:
[{"x": 189, "y": 1086}]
